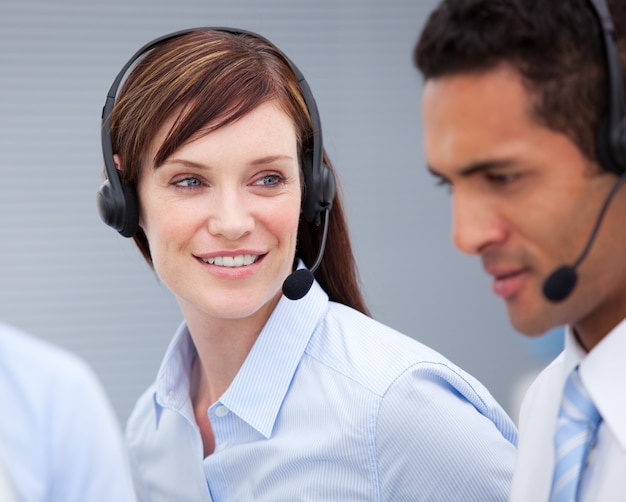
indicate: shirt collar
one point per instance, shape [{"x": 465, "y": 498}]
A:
[
  {"x": 603, "y": 372},
  {"x": 259, "y": 388},
  {"x": 257, "y": 392},
  {"x": 574, "y": 352},
  {"x": 173, "y": 378}
]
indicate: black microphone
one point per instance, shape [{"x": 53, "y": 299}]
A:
[
  {"x": 562, "y": 281},
  {"x": 298, "y": 283}
]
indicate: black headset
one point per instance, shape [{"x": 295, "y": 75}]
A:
[
  {"x": 610, "y": 147},
  {"x": 611, "y": 142},
  {"x": 117, "y": 200}
]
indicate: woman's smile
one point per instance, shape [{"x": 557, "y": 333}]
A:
[
  {"x": 240, "y": 260},
  {"x": 231, "y": 200}
]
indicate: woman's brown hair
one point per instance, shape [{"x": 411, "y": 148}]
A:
[{"x": 208, "y": 79}]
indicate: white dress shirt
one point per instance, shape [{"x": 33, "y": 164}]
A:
[
  {"x": 328, "y": 405},
  {"x": 603, "y": 373}
]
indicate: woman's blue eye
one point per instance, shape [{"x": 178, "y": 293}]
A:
[
  {"x": 269, "y": 180},
  {"x": 189, "y": 182}
]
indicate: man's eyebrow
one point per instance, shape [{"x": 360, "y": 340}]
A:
[{"x": 474, "y": 168}]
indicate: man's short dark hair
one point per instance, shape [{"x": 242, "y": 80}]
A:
[{"x": 555, "y": 45}]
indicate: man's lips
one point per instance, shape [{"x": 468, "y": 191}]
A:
[{"x": 507, "y": 283}]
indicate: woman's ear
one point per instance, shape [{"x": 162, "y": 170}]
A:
[{"x": 116, "y": 160}]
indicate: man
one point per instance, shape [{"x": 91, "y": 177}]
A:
[
  {"x": 516, "y": 113},
  {"x": 59, "y": 439}
]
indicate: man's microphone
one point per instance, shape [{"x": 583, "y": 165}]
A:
[
  {"x": 298, "y": 283},
  {"x": 562, "y": 281}
]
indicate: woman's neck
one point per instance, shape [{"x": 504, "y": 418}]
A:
[
  {"x": 222, "y": 346},
  {"x": 222, "y": 351}
]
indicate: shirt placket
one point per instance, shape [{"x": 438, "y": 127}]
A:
[{"x": 223, "y": 425}]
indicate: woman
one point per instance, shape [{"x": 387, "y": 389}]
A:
[{"x": 217, "y": 142}]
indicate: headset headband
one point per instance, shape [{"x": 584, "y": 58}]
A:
[{"x": 117, "y": 201}]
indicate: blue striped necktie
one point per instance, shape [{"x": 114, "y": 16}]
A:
[{"x": 575, "y": 434}]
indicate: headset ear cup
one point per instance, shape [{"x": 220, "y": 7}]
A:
[
  {"x": 619, "y": 146},
  {"x": 131, "y": 217},
  {"x": 309, "y": 201},
  {"x": 319, "y": 191},
  {"x": 119, "y": 210},
  {"x": 329, "y": 187},
  {"x": 106, "y": 204},
  {"x": 607, "y": 153}
]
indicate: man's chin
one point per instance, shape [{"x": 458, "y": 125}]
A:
[{"x": 530, "y": 324}]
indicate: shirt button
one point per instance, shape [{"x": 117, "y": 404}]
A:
[
  {"x": 221, "y": 446},
  {"x": 221, "y": 411}
]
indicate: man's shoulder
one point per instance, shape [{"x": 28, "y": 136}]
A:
[{"x": 546, "y": 381}]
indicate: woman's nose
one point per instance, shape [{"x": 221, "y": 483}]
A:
[{"x": 231, "y": 217}]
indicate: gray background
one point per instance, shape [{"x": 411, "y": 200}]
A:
[{"x": 68, "y": 278}]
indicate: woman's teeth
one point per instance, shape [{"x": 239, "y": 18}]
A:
[{"x": 232, "y": 261}]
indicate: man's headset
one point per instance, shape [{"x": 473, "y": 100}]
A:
[
  {"x": 117, "y": 200},
  {"x": 612, "y": 135},
  {"x": 611, "y": 148}
]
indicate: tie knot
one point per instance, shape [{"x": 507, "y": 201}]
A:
[{"x": 577, "y": 405}]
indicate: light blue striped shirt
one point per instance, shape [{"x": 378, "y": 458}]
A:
[
  {"x": 328, "y": 405},
  {"x": 59, "y": 438}
]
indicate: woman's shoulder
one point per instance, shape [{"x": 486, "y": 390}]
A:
[
  {"x": 371, "y": 351},
  {"x": 399, "y": 369}
]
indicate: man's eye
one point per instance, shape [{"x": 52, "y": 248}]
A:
[
  {"x": 502, "y": 179},
  {"x": 442, "y": 182}
]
